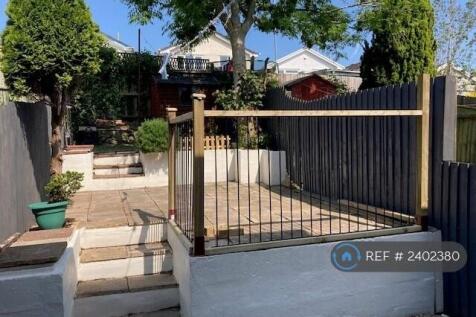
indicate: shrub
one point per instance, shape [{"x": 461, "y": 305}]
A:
[
  {"x": 152, "y": 136},
  {"x": 62, "y": 186},
  {"x": 248, "y": 95}
]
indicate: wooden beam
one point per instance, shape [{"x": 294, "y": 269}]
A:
[
  {"x": 423, "y": 150},
  {"x": 171, "y": 114},
  {"x": 450, "y": 119},
  {"x": 182, "y": 118},
  {"x": 198, "y": 202},
  {"x": 312, "y": 113}
]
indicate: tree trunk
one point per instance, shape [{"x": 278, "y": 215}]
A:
[
  {"x": 58, "y": 109},
  {"x": 237, "y": 39}
]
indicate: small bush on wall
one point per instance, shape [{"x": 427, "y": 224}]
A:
[{"x": 152, "y": 136}]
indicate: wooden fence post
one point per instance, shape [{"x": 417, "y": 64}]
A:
[
  {"x": 171, "y": 114},
  {"x": 198, "y": 206},
  {"x": 423, "y": 150}
]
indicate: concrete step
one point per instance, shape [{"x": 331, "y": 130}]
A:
[
  {"x": 124, "y": 261},
  {"x": 123, "y": 235},
  {"x": 169, "y": 312},
  {"x": 127, "y": 295},
  {"x": 115, "y": 175},
  {"x": 119, "y": 169},
  {"x": 110, "y": 166},
  {"x": 116, "y": 158}
]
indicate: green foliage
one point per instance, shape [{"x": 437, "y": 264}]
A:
[
  {"x": 248, "y": 95},
  {"x": 48, "y": 46},
  {"x": 152, "y": 136},
  {"x": 248, "y": 137},
  {"x": 341, "y": 87},
  {"x": 455, "y": 33},
  {"x": 100, "y": 94},
  {"x": 131, "y": 64},
  {"x": 314, "y": 22},
  {"x": 62, "y": 186},
  {"x": 402, "y": 45}
]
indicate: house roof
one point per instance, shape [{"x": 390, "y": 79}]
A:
[
  {"x": 339, "y": 72},
  {"x": 301, "y": 79},
  {"x": 353, "y": 67},
  {"x": 312, "y": 52},
  {"x": 218, "y": 35},
  {"x": 117, "y": 44}
]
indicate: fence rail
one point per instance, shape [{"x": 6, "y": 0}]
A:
[
  {"x": 310, "y": 113},
  {"x": 292, "y": 174}
]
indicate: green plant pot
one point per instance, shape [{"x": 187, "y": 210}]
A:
[{"x": 49, "y": 215}]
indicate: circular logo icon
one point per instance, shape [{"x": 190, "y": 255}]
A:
[{"x": 346, "y": 256}]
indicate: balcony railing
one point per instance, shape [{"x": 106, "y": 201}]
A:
[
  {"x": 189, "y": 65},
  {"x": 186, "y": 65}
]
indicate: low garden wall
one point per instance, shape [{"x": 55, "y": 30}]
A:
[
  {"x": 262, "y": 166},
  {"x": 254, "y": 166},
  {"x": 42, "y": 290},
  {"x": 284, "y": 281}
]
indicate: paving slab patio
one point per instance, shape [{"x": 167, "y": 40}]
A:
[
  {"x": 234, "y": 213},
  {"x": 103, "y": 209}
]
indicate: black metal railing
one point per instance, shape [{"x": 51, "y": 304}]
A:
[
  {"x": 184, "y": 178},
  {"x": 299, "y": 174},
  {"x": 300, "y": 177},
  {"x": 189, "y": 65}
]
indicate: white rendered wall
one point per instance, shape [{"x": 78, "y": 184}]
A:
[
  {"x": 270, "y": 173},
  {"x": 258, "y": 167},
  {"x": 47, "y": 291},
  {"x": 181, "y": 260},
  {"x": 211, "y": 48},
  {"x": 82, "y": 163},
  {"x": 301, "y": 281},
  {"x": 219, "y": 165},
  {"x": 304, "y": 62}
]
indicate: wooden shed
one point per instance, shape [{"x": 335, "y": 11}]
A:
[{"x": 310, "y": 87}]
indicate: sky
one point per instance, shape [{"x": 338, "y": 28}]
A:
[{"x": 112, "y": 18}]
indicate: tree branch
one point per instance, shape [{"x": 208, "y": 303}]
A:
[
  {"x": 225, "y": 21},
  {"x": 250, "y": 17},
  {"x": 360, "y": 4},
  {"x": 235, "y": 22}
]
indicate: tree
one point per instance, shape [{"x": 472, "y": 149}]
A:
[
  {"x": 455, "y": 33},
  {"x": 314, "y": 22},
  {"x": 48, "y": 47},
  {"x": 402, "y": 45},
  {"x": 99, "y": 94}
]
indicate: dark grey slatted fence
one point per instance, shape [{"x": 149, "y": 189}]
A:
[
  {"x": 456, "y": 217},
  {"x": 24, "y": 163},
  {"x": 381, "y": 163}
]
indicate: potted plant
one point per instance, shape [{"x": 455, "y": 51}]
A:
[{"x": 51, "y": 214}]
